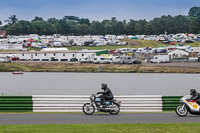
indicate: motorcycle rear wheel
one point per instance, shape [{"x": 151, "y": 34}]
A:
[
  {"x": 88, "y": 109},
  {"x": 182, "y": 112},
  {"x": 116, "y": 106}
]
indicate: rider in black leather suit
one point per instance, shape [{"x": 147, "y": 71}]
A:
[
  {"x": 195, "y": 95},
  {"x": 106, "y": 94}
]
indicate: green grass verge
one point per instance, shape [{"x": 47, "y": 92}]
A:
[{"x": 103, "y": 128}]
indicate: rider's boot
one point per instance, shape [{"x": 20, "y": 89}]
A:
[{"x": 103, "y": 104}]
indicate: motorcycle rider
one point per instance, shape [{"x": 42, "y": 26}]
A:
[
  {"x": 195, "y": 95},
  {"x": 106, "y": 93}
]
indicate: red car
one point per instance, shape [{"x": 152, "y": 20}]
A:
[
  {"x": 15, "y": 58},
  {"x": 172, "y": 43}
]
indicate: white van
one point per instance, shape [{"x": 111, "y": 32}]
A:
[
  {"x": 115, "y": 60},
  {"x": 5, "y": 59},
  {"x": 160, "y": 59},
  {"x": 85, "y": 60}
]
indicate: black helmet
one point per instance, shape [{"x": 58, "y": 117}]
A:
[
  {"x": 192, "y": 91},
  {"x": 103, "y": 86}
]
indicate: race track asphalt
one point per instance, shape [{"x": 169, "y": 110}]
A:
[{"x": 98, "y": 118}]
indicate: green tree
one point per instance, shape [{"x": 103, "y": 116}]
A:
[
  {"x": 15, "y": 29},
  {"x": 52, "y": 20},
  {"x": 37, "y": 19},
  {"x": 131, "y": 27},
  {"x": 195, "y": 25},
  {"x": 84, "y": 29},
  {"x": 194, "y": 11},
  {"x": 39, "y": 27},
  {"x": 64, "y": 26},
  {"x": 148, "y": 29},
  {"x": 12, "y": 19},
  {"x": 181, "y": 24},
  {"x": 108, "y": 28},
  {"x": 97, "y": 28},
  {"x": 140, "y": 26},
  {"x": 74, "y": 28},
  {"x": 119, "y": 28},
  {"x": 84, "y": 21},
  {"x": 26, "y": 27}
]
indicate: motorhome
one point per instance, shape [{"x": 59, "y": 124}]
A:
[
  {"x": 129, "y": 60},
  {"x": 146, "y": 50},
  {"x": 101, "y": 60},
  {"x": 115, "y": 60},
  {"x": 125, "y": 50},
  {"x": 87, "y": 59},
  {"x": 5, "y": 58},
  {"x": 160, "y": 59}
]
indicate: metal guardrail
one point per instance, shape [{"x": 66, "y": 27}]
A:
[
  {"x": 16, "y": 104},
  {"x": 67, "y": 103},
  {"x": 170, "y": 102},
  {"x": 74, "y": 103}
]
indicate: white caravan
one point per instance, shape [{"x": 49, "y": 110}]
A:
[
  {"x": 101, "y": 60},
  {"x": 5, "y": 58},
  {"x": 160, "y": 59}
]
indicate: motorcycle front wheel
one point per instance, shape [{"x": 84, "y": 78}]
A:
[
  {"x": 114, "y": 109},
  {"x": 88, "y": 109},
  {"x": 181, "y": 111}
]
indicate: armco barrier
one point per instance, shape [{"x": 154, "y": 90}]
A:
[
  {"x": 67, "y": 103},
  {"x": 170, "y": 102},
  {"x": 70, "y": 103},
  {"x": 16, "y": 104}
]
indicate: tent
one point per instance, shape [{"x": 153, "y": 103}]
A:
[
  {"x": 31, "y": 40},
  {"x": 37, "y": 39},
  {"x": 178, "y": 53},
  {"x": 134, "y": 37}
]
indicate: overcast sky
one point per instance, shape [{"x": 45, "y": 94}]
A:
[{"x": 95, "y": 9}]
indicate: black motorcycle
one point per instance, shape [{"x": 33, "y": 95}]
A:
[{"x": 112, "y": 106}]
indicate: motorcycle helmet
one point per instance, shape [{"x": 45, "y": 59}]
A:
[
  {"x": 192, "y": 91},
  {"x": 103, "y": 86}
]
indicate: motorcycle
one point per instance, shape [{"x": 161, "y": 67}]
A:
[
  {"x": 186, "y": 106},
  {"x": 112, "y": 106}
]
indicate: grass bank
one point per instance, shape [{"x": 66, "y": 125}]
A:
[
  {"x": 113, "y": 68},
  {"x": 104, "y": 128},
  {"x": 132, "y": 44}
]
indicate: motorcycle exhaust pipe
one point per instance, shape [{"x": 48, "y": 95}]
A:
[{"x": 107, "y": 109}]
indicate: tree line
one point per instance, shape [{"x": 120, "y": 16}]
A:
[{"x": 72, "y": 25}]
